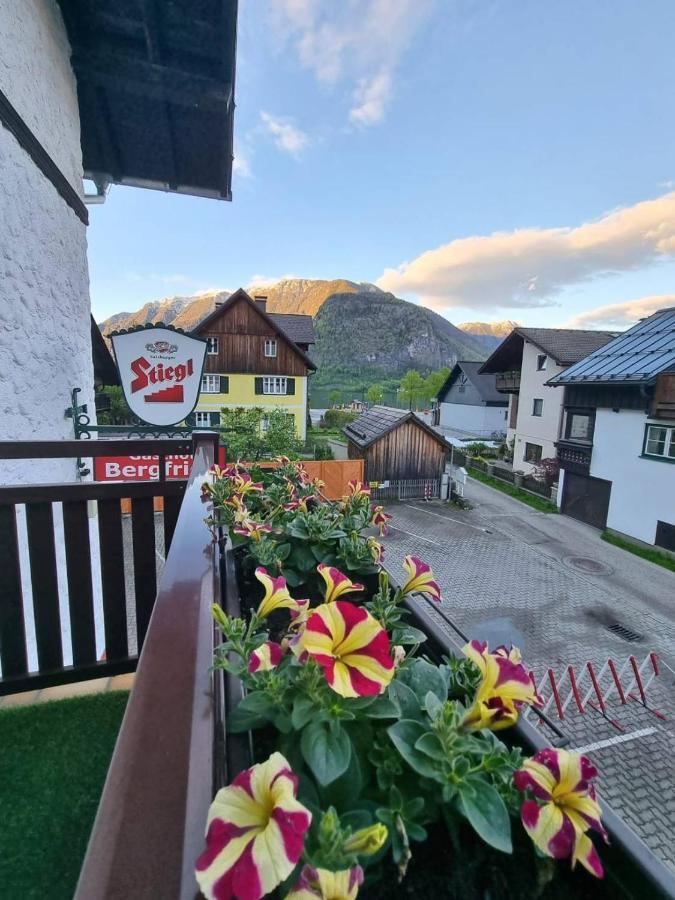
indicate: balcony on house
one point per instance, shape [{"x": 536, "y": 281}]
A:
[{"x": 508, "y": 382}]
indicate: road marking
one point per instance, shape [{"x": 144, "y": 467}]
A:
[
  {"x": 619, "y": 739},
  {"x": 416, "y": 536},
  {"x": 447, "y": 518}
]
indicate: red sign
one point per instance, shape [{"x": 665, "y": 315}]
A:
[{"x": 145, "y": 468}]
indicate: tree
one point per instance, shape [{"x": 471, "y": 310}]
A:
[
  {"x": 434, "y": 382},
  {"x": 251, "y": 433},
  {"x": 375, "y": 393},
  {"x": 412, "y": 388},
  {"x": 118, "y": 412},
  {"x": 335, "y": 397}
]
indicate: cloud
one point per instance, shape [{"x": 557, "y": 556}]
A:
[
  {"x": 286, "y": 136},
  {"x": 361, "y": 42},
  {"x": 241, "y": 164},
  {"x": 371, "y": 97},
  {"x": 529, "y": 267},
  {"x": 622, "y": 315}
]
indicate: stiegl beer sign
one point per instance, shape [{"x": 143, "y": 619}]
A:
[{"x": 160, "y": 371}]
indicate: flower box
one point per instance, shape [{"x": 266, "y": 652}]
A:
[{"x": 375, "y": 767}]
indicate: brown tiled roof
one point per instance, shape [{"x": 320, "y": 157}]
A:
[
  {"x": 567, "y": 345},
  {"x": 375, "y": 422},
  {"x": 299, "y": 328}
]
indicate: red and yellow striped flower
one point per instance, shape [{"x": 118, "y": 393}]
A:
[
  {"x": 253, "y": 530},
  {"x": 376, "y": 550},
  {"x": 358, "y": 489},
  {"x": 337, "y": 584},
  {"x": 565, "y": 806},
  {"x": 379, "y": 519},
  {"x": 420, "y": 578},
  {"x": 320, "y": 884},
  {"x": 276, "y": 596},
  {"x": 265, "y": 657},
  {"x": 505, "y": 686},
  {"x": 239, "y": 511},
  {"x": 351, "y": 647},
  {"x": 255, "y": 833},
  {"x": 243, "y": 484}
]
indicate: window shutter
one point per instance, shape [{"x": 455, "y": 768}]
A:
[
  {"x": 215, "y": 419},
  {"x": 258, "y": 385},
  {"x": 290, "y": 386},
  {"x": 191, "y": 420},
  {"x": 224, "y": 384}
]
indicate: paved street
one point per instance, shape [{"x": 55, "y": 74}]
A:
[{"x": 564, "y": 596}]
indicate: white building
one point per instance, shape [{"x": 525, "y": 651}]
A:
[
  {"x": 110, "y": 92},
  {"x": 524, "y": 363},
  {"x": 469, "y": 404},
  {"x": 617, "y": 449}
]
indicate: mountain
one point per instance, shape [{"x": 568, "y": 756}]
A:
[
  {"x": 359, "y": 328},
  {"x": 489, "y": 334}
]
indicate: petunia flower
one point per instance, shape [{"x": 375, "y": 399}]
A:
[
  {"x": 505, "y": 686},
  {"x": 265, "y": 657},
  {"x": 565, "y": 806},
  {"x": 253, "y": 530},
  {"x": 243, "y": 484},
  {"x": 337, "y": 584},
  {"x": 326, "y": 885},
  {"x": 255, "y": 833},
  {"x": 351, "y": 647},
  {"x": 240, "y": 512},
  {"x": 376, "y": 550},
  {"x": 358, "y": 489},
  {"x": 379, "y": 519},
  {"x": 420, "y": 579},
  {"x": 276, "y": 596}
]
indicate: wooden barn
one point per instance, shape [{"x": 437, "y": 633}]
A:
[{"x": 396, "y": 445}]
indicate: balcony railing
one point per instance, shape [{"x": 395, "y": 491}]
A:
[
  {"x": 508, "y": 382},
  {"x": 574, "y": 456}
]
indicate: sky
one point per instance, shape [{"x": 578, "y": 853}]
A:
[{"x": 490, "y": 159}]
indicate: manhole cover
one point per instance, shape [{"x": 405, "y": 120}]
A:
[
  {"x": 627, "y": 634},
  {"x": 587, "y": 565}
]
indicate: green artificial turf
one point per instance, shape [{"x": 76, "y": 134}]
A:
[
  {"x": 53, "y": 761},
  {"x": 655, "y": 556},
  {"x": 506, "y": 487}
]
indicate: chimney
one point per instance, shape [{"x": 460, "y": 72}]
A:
[{"x": 260, "y": 301}]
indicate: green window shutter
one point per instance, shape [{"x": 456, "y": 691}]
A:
[
  {"x": 224, "y": 384},
  {"x": 258, "y": 385},
  {"x": 191, "y": 420},
  {"x": 290, "y": 386},
  {"x": 215, "y": 419}
]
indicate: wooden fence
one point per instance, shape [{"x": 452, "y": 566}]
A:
[
  {"x": 409, "y": 489},
  {"x": 336, "y": 474},
  {"x": 46, "y": 550}
]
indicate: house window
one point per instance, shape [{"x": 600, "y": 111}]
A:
[
  {"x": 210, "y": 384},
  {"x": 461, "y": 388},
  {"x": 542, "y": 359},
  {"x": 660, "y": 441},
  {"x": 533, "y": 453},
  {"x": 274, "y": 385},
  {"x": 265, "y": 424},
  {"x": 203, "y": 420},
  {"x": 270, "y": 347},
  {"x": 537, "y": 407},
  {"x": 579, "y": 425},
  {"x": 212, "y": 346}
]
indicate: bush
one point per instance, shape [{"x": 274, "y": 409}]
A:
[{"x": 338, "y": 418}]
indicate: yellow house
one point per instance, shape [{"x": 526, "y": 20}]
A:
[{"x": 254, "y": 358}]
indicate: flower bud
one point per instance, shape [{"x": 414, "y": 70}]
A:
[
  {"x": 218, "y": 614},
  {"x": 367, "y": 841}
]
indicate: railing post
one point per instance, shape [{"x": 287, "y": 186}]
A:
[{"x": 207, "y": 440}]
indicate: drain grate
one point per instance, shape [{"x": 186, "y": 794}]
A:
[{"x": 627, "y": 634}]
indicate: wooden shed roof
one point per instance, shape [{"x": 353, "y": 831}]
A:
[
  {"x": 155, "y": 86},
  {"x": 378, "y": 421}
]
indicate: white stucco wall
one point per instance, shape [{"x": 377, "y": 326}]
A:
[
  {"x": 544, "y": 429},
  {"x": 481, "y": 421},
  {"x": 45, "y": 343},
  {"x": 643, "y": 490}
]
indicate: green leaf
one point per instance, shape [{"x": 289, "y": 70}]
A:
[
  {"x": 433, "y": 705},
  {"x": 302, "y": 558},
  {"x": 406, "y": 699},
  {"x": 423, "y": 677},
  {"x": 345, "y": 790},
  {"x": 293, "y": 579},
  {"x": 404, "y": 735},
  {"x": 303, "y": 710},
  {"x": 383, "y": 708},
  {"x": 326, "y": 749},
  {"x": 484, "y": 808},
  {"x": 430, "y": 745},
  {"x": 282, "y": 551},
  {"x": 408, "y": 635},
  {"x": 252, "y": 712}
]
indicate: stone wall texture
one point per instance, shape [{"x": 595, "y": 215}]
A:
[{"x": 45, "y": 342}]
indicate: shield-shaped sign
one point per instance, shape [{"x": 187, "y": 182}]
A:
[{"x": 160, "y": 371}]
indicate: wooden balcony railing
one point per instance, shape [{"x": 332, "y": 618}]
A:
[
  {"x": 37, "y": 550},
  {"x": 508, "y": 382}
]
